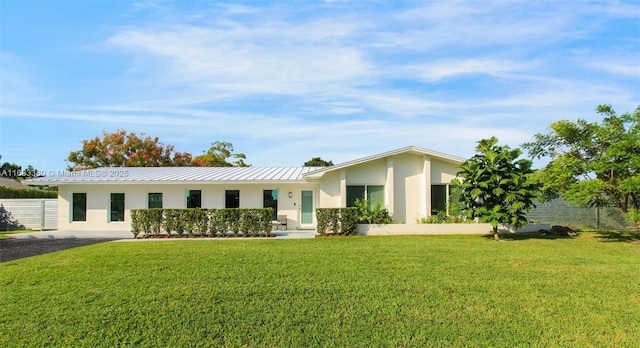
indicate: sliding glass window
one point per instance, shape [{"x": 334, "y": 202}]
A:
[
  {"x": 355, "y": 192},
  {"x": 372, "y": 193}
]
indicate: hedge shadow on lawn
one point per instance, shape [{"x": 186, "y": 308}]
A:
[
  {"x": 631, "y": 236},
  {"x": 528, "y": 235}
]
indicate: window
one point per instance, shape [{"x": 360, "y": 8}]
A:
[
  {"x": 79, "y": 203},
  {"x": 232, "y": 199},
  {"x": 375, "y": 194},
  {"x": 372, "y": 193},
  {"x": 438, "y": 199},
  {"x": 194, "y": 199},
  {"x": 353, "y": 193},
  {"x": 154, "y": 201},
  {"x": 117, "y": 207},
  {"x": 270, "y": 200}
]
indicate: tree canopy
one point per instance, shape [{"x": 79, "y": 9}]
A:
[
  {"x": 593, "y": 164},
  {"x": 317, "y": 162},
  {"x": 218, "y": 155},
  {"x": 494, "y": 185},
  {"x": 123, "y": 149},
  {"x": 15, "y": 171}
]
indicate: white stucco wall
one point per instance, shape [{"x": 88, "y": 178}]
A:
[
  {"x": 173, "y": 196},
  {"x": 408, "y": 189},
  {"x": 370, "y": 173},
  {"x": 443, "y": 172},
  {"x": 407, "y": 186},
  {"x": 330, "y": 190}
]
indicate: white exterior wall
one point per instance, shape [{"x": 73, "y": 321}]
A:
[
  {"x": 330, "y": 190},
  {"x": 407, "y": 179},
  {"x": 408, "y": 182},
  {"x": 370, "y": 173},
  {"x": 443, "y": 172},
  {"x": 173, "y": 196}
]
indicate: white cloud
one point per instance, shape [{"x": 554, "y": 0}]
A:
[
  {"x": 467, "y": 25},
  {"x": 624, "y": 66},
  {"x": 246, "y": 61},
  {"x": 344, "y": 79},
  {"x": 434, "y": 71}
]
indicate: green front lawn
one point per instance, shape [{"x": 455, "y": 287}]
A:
[{"x": 338, "y": 291}]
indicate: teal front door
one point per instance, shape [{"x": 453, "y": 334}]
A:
[{"x": 306, "y": 208}]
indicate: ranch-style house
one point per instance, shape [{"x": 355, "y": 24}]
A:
[{"x": 410, "y": 182}]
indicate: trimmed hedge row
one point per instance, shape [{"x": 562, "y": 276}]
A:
[
  {"x": 202, "y": 222},
  {"x": 12, "y": 192},
  {"x": 342, "y": 221}
]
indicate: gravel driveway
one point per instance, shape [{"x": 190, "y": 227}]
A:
[{"x": 12, "y": 249}]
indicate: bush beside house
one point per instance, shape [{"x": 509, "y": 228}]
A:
[{"x": 202, "y": 222}]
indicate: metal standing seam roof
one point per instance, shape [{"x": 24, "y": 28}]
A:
[
  {"x": 176, "y": 175},
  {"x": 217, "y": 174}
]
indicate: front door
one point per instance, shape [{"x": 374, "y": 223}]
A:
[{"x": 306, "y": 209}]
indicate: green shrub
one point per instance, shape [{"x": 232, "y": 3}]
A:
[
  {"x": 265, "y": 220},
  {"x": 443, "y": 218},
  {"x": 217, "y": 224},
  {"x": 197, "y": 221},
  {"x": 322, "y": 217},
  {"x": 377, "y": 215},
  {"x": 135, "y": 222},
  {"x": 170, "y": 221},
  {"x": 155, "y": 217},
  {"x": 348, "y": 221},
  {"x": 232, "y": 218},
  {"x": 337, "y": 220},
  {"x": 633, "y": 215},
  {"x": 148, "y": 221},
  {"x": 12, "y": 192}
]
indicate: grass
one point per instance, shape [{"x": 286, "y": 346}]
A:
[{"x": 359, "y": 291}]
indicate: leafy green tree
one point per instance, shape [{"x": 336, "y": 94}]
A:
[
  {"x": 317, "y": 162},
  {"x": 10, "y": 170},
  {"x": 122, "y": 149},
  {"x": 15, "y": 171},
  {"x": 593, "y": 164},
  {"x": 495, "y": 186},
  {"x": 218, "y": 156}
]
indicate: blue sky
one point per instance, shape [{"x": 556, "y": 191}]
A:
[{"x": 287, "y": 81}]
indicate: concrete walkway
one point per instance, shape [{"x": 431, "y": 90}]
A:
[{"x": 128, "y": 235}]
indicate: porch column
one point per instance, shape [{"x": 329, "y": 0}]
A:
[
  {"x": 426, "y": 191},
  {"x": 389, "y": 186},
  {"x": 343, "y": 188}
]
